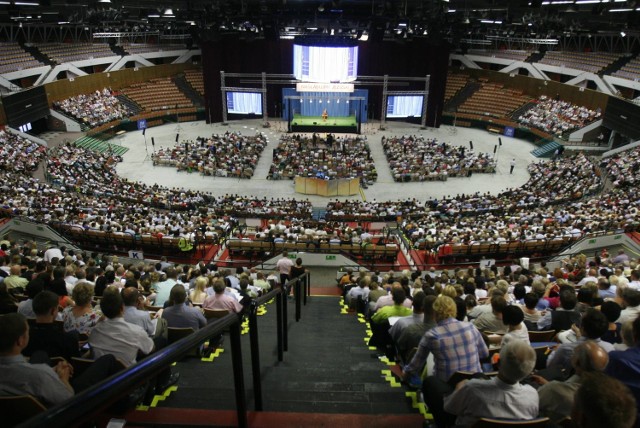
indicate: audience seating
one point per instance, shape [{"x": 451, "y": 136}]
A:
[
  {"x": 593, "y": 62},
  {"x": 516, "y": 55},
  {"x": 15, "y": 58},
  {"x": 502, "y": 423},
  {"x": 195, "y": 79},
  {"x": 69, "y": 52},
  {"x": 19, "y": 408},
  {"x": 157, "y": 94},
  {"x": 455, "y": 82},
  {"x": 630, "y": 70},
  {"x": 493, "y": 100}
]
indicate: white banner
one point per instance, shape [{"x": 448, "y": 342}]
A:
[{"x": 324, "y": 87}]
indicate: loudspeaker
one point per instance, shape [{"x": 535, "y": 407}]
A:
[
  {"x": 471, "y": 145},
  {"x": 315, "y": 123},
  {"x": 144, "y": 130},
  {"x": 153, "y": 142},
  {"x": 500, "y": 141},
  {"x": 177, "y": 135},
  {"x": 495, "y": 149}
]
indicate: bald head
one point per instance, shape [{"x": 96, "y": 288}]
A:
[
  {"x": 589, "y": 357},
  {"x": 16, "y": 270}
]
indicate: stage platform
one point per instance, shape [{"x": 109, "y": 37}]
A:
[{"x": 342, "y": 125}]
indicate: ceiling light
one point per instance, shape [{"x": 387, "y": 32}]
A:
[
  {"x": 104, "y": 1},
  {"x": 620, "y": 10},
  {"x": 168, "y": 13}
]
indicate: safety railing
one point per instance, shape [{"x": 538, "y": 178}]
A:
[{"x": 87, "y": 404}]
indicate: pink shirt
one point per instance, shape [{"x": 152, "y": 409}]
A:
[{"x": 222, "y": 301}]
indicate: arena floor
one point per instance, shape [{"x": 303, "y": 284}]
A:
[{"x": 137, "y": 163}]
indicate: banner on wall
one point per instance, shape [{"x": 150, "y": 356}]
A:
[
  {"x": 324, "y": 87},
  {"x": 509, "y": 131}
]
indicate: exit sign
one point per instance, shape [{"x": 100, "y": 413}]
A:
[{"x": 330, "y": 257}]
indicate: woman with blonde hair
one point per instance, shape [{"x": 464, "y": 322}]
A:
[
  {"x": 81, "y": 317},
  {"x": 199, "y": 293}
]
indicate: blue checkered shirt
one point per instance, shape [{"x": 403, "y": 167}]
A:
[{"x": 456, "y": 346}]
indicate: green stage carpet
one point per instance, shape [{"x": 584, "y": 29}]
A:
[{"x": 331, "y": 121}]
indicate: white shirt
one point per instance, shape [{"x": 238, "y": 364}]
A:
[
  {"x": 51, "y": 253},
  {"x": 120, "y": 339},
  {"x": 630, "y": 313},
  {"x": 493, "y": 398}
]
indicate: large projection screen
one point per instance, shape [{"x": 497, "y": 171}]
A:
[{"x": 325, "y": 64}]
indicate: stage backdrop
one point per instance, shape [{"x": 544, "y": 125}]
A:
[
  {"x": 314, "y": 103},
  {"x": 416, "y": 58}
]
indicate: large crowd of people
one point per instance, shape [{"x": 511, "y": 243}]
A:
[
  {"x": 94, "y": 109},
  {"x": 458, "y": 317},
  {"x": 227, "y": 155},
  {"x": 560, "y": 200},
  {"x": 558, "y": 117},
  {"x": 414, "y": 158},
  {"x": 86, "y": 191},
  {"x": 326, "y": 158},
  {"x": 624, "y": 168},
  {"x": 473, "y": 310}
]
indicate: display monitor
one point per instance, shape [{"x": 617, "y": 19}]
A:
[
  {"x": 244, "y": 103},
  {"x": 325, "y": 64},
  {"x": 404, "y": 106}
]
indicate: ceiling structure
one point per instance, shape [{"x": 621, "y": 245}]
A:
[{"x": 460, "y": 21}]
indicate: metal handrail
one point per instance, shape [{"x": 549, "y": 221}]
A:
[{"x": 90, "y": 402}]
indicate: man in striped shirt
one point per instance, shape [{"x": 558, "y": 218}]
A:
[{"x": 456, "y": 346}]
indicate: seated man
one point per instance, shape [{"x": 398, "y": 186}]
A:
[
  {"x": 416, "y": 317},
  {"x": 411, "y": 335},
  {"x": 124, "y": 340},
  {"x": 456, "y": 346},
  {"x": 397, "y": 310},
  {"x": 45, "y": 335},
  {"x": 492, "y": 321},
  {"x": 594, "y": 325},
  {"x": 180, "y": 315},
  {"x": 564, "y": 316},
  {"x": 502, "y": 397},
  {"x": 556, "y": 397},
  {"x": 133, "y": 312},
  {"x": 602, "y": 401},
  {"x": 48, "y": 385},
  {"x": 625, "y": 365},
  {"x": 219, "y": 300}
]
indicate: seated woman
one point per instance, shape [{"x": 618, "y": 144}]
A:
[{"x": 80, "y": 318}]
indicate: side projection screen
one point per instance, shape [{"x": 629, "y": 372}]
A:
[
  {"x": 404, "y": 106},
  {"x": 244, "y": 102}
]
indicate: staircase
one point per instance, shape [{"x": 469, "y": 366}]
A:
[
  {"x": 133, "y": 107},
  {"x": 35, "y": 52},
  {"x": 461, "y": 96},
  {"x": 546, "y": 150},
  {"x": 521, "y": 110},
  {"x": 328, "y": 377},
  {"x": 617, "y": 65},
  {"x": 186, "y": 89},
  {"x": 118, "y": 50},
  {"x": 535, "y": 57},
  {"x": 100, "y": 146}
]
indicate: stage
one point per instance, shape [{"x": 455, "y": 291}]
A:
[{"x": 342, "y": 125}]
